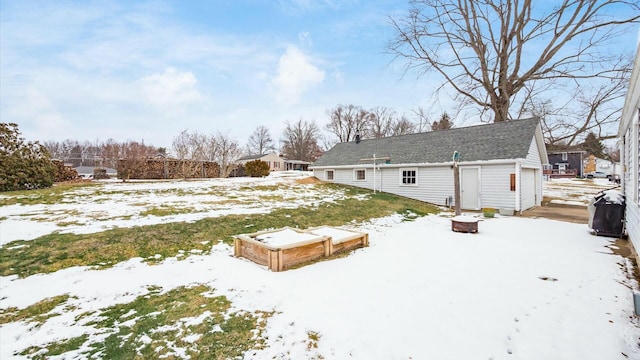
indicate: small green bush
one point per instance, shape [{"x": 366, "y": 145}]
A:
[{"x": 257, "y": 168}]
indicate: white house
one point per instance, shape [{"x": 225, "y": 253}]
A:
[
  {"x": 630, "y": 154},
  {"x": 276, "y": 163},
  {"x": 500, "y": 165}
]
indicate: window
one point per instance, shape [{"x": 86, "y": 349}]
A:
[
  {"x": 408, "y": 176},
  {"x": 564, "y": 156},
  {"x": 512, "y": 182},
  {"x": 328, "y": 174},
  {"x": 360, "y": 175}
]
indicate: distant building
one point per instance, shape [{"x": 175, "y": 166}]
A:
[
  {"x": 296, "y": 165},
  {"x": 566, "y": 164},
  {"x": 500, "y": 165},
  {"x": 88, "y": 172},
  {"x": 592, "y": 163},
  {"x": 275, "y": 161}
]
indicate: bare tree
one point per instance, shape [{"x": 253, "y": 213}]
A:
[
  {"x": 591, "y": 108},
  {"x": 190, "y": 148},
  {"x": 110, "y": 153},
  {"x": 402, "y": 126},
  {"x": 228, "y": 152},
  {"x": 301, "y": 141},
  {"x": 423, "y": 120},
  {"x": 489, "y": 50},
  {"x": 382, "y": 121},
  {"x": 347, "y": 120},
  {"x": 260, "y": 141},
  {"x": 327, "y": 142}
]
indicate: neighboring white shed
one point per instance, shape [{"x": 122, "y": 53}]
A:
[
  {"x": 500, "y": 166},
  {"x": 630, "y": 154}
]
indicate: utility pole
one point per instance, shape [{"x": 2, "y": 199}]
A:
[{"x": 456, "y": 181}]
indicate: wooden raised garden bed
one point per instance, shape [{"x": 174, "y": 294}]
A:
[{"x": 283, "y": 248}]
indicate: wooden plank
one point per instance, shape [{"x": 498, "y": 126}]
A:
[{"x": 302, "y": 254}]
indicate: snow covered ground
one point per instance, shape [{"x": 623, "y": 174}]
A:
[
  {"x": 574, "y": 191},
  {"x": 519, "y": 289},
  {"x": 87, "y": 210}
]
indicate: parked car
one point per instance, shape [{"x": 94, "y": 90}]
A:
[
  {"x": 614, "y": 178},
  {"x": 596, "y": 175}
]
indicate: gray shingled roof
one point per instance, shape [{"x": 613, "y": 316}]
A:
[
  {"x": 252, "y": 157},
  {"x": 504, "y": 140}
]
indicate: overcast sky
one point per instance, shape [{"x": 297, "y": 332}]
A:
[{"x": 134, "y": 70}]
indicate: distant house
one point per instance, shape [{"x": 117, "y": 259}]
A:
[
  {"x": 629, "y": 133},
  {"x": 592, "y": 163},
  {"x": 566, "y": 164},
  {"x": 500, "y": 166},
  {"x": 88, "y": 172},
  {"x": 276, "y": 163},
  {"x": 296, "y": 165}
]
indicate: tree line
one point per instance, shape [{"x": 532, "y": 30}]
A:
[{"x": 300, "y": 140}]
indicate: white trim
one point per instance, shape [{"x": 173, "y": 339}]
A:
[
  {"x": 400, "y": 176},
  {"x": 391, "y": 166},
  {"x": 355, "y": 174},
  {"x": 518, "y": 187}
]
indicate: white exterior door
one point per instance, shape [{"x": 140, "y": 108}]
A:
[
  {"x": 469, "y": 188},
  {"x": 528, "y": 188}
]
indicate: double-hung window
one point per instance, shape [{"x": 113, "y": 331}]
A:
[
  {"x": 328, "y": 174},
  {"x": 360, "y": 175}
]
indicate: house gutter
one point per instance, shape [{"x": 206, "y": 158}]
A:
[{"x": 390, "y": 166}]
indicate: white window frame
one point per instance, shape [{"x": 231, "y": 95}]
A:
[
  {"x": 326, "y": 174},
  {"x": 565, "y": 156},
  {"x": 355, "y": 174},
  {"x": 401, "y": 176}
]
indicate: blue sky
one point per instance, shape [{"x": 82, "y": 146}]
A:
[
  {"x": 134, "y": 70},
  {"x": 148, "y": 70}
]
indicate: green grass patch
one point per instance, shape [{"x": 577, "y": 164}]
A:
[
  {"x": 69, "y": 223},
  {"x": 166, "y": 211},
  {"x": 59, "y": 193},
  {"x": 153, "y": 325},
  {"x": 57, "y": 251},
  {"x": 37, "y": 313}
]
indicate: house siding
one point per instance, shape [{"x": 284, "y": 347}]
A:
[
  {"x": 533, "y": 156},
  {"x": 434, "y": 184},
  {"x": 629, "y": 133},
  {"x": 275, "y": 162},
  {"x": 347, "y": 177},
  {"x": 631, "y": 180},
  {"x": 496, "y": 191}
]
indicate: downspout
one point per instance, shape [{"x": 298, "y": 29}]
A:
[
  {"x": 518, "y": 187},
  {"x": 622, "y": 163}
]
